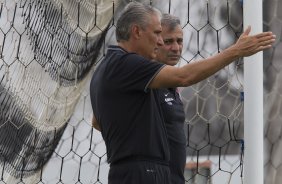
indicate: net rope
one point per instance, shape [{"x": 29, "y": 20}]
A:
[{"x": 49, "y": 50}]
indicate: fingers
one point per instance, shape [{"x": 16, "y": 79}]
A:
[
  {"x": 261, "y": 48},
  {"x": 267, "y": 40},
  {"x": 250, "y": 44},
  {"x": 264, "y": 34},
  {"x": 270, "y": 38},
  {"x": 247, "y": 31}
]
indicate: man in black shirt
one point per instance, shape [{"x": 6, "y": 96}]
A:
[
  {"x": 128, "y": 111},
  {"x": 125, "y": 100},
  {"x": 171, "y": 104}
]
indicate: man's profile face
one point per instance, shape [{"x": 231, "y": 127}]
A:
[
  {"x": 151, "y": 39},
  {"x": 170, "y": 52}
]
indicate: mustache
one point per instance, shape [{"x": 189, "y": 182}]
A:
[{"x": 174, "y": 55}]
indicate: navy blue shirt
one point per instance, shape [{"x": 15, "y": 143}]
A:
[
  {"x": 128, "y": 112},
  {"x": 174, "y": 116}
]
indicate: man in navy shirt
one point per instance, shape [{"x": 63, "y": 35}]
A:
[
  {"x": 125, "y": 99},
  {"x": 127, "y": 110},
  {"x": 171, "y": 104}
]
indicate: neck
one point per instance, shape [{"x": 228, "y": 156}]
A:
[
  {"x": 126, "y": 45},
  {"x": 132, "y": 46}
]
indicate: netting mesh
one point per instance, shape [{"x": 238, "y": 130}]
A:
[
  {"x": 48, "y": 52},
  {"x": 48, "y": 49}
]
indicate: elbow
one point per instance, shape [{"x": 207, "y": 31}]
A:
[
  {"x": 97, "y": 127},
  {"x": 186, "y": 78},
  {"x": 187, "y": 81},
  {"x": 95, "y": 124}
]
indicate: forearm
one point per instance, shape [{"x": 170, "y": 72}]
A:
[
  {"x": 195, "y": 72},
  {"x": 192, "y": 73}
]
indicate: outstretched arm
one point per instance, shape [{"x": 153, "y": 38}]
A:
[{"x": 195, "y": 72}]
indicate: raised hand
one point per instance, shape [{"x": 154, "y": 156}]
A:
[{"x": 248, "y": 45}]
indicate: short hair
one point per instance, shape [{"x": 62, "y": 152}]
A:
[
  {"x": 170, "y": 21},
  {"x": 134, "y": 13}
]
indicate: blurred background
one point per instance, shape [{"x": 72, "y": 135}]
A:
[{"x": 49, "y": 50}]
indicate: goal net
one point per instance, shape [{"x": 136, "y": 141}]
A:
[{"x": 49, "y": 50}]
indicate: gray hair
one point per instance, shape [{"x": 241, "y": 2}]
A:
[
  {"x": 134, "y": 13},
  {"x": 170, "y": 21}
]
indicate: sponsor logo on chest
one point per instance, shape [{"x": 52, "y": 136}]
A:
[{"x": 169, "y": 101}]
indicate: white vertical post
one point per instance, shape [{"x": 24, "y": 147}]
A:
[{"x": 253, "y": 99}]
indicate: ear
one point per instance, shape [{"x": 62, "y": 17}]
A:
[{"x": 136, "y": 31}]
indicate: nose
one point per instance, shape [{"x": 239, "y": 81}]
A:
[
  {"x": 175, "y": 46},
  {"x": 160, "y": 41}
]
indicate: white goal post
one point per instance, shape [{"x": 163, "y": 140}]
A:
[{"x": 253, "y": 104}]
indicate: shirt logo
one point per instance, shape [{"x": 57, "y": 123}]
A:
[{"x": 169, "y": 101}]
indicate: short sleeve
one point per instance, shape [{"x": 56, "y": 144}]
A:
[{"x": 133, "y": 72}]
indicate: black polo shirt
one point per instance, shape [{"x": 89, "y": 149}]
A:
[
  {"x": 174, "y": 116},
  {"x": 129, "y": 113}
]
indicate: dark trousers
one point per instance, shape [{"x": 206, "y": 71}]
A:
[{"x": 139, "y": 172}]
